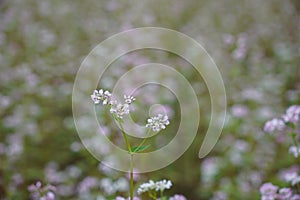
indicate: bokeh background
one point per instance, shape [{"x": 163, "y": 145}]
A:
[{"x": 254, "y": 43}]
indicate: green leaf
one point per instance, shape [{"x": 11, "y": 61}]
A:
[
  {"x": 141, "y": 148},
  {"x": 293, "y": 134},
  {"x": 290, "y": 124}
]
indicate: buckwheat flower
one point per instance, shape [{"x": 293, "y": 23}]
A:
[
  {"x": 35, "y": 187},
  {"x": 268, "y": 191},
  {"x": 119, "y": 109},
  {"x": 284, "y": 194},
  {"x": 178, "y": 197},
  {"x": 48, "y": 196},
  {"x": 295, "y": 151},
  {"x": 274, "y": 124},
  {"x": 162, "y": 185},
  {"x": 129, "y": 99},
  {"x": 289, "y": 177},
  {"x": 158, "y": 122},
  {"x": 292, "y": 114},
  {"x": 145, "y": 187},
  {"x": 100, "y": 95}
]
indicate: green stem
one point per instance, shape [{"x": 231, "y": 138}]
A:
[
  {"x": 131, "y": 160},
  {"x": 125, "y": 138},
  {"x": 131, "y": 176},
  {"x": 144, "y": 140}
]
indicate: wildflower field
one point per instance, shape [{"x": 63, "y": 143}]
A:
[{"x": 137, "y": 130}]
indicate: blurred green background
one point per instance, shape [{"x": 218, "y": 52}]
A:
[{"x": 254, "y": 43}]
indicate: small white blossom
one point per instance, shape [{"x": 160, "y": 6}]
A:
[
  {"x": 158, "y": 122},
  {"x": 129, "y": 99},
  {"x": 145, "y": 187},
  {"x": 157, "y": 186},
  {"x": 295, "y": 151},
  {"x": 162, "y": 185},
  {"x": 292, "y": 114},
  {"x": 119, "y": 109},
  {"x": 100, "y": 95},
  {"x": 274, "y": 124}
]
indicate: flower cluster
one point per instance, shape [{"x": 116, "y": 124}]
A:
[
  {"x": 272, "y": 192},
  {"x": 287, "y": 122},
  {"x": 292, "y": 178},
  {"x": 157, "y": 186},
  {"x": 100, "y": 95},
  {"x": 117, "y": 109},
  {"x": 274, "y": 124},
  {"x": 158, "y": 122},
  {"x": 38, "y": 192},
  {"x": 295, "y": 151},
  {"x": 291, "y": 116}
]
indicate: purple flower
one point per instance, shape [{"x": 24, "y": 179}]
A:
[
  {"x": 41, "y": 193},
  {"x": 48, "y": 196},
  {"x": 284, "y": 194},
  {"x": 292, "y": 114},
  {"x": 274, "y": 124},
  {"x": 268, "y": 191}
]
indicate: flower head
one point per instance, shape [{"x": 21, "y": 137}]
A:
[
  {"x": 157, "y": 186},
  {"x": 129, "y": 99},
  {"x": 37, "y": 191},
  {"x": 292, "y": 114},
  {"x": 284, "y": 193},
  {"x": 163, "y": 184},
  {"x": 119, "y": 109},
  {"x": 100, "y": 95},
  {"x": 274, "y": 124},
  {"x": 158, "y": 122},
  {"x": 295, "y": 151},
  {"x": 268, "y": 191},
  {"x": 145, "y": 187}
]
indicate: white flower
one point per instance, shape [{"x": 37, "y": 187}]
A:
[
  {"x": 292, "y": 114},
  {"x": 162, "y": 185},
  {"x": 158, "y": 186},
  {"x": 274, "y": 124},
  {"x": 119, "y": 109},
  {"x": 100, "y": 95},
  {"x": 295, "y": 151},
  {"x": 145, "y": 187},
  {"x": 129, "y": 99},
  {"x": 158, "y": 122}
]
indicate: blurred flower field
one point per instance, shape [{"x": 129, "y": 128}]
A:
[{"x": 255, "y": 44}]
